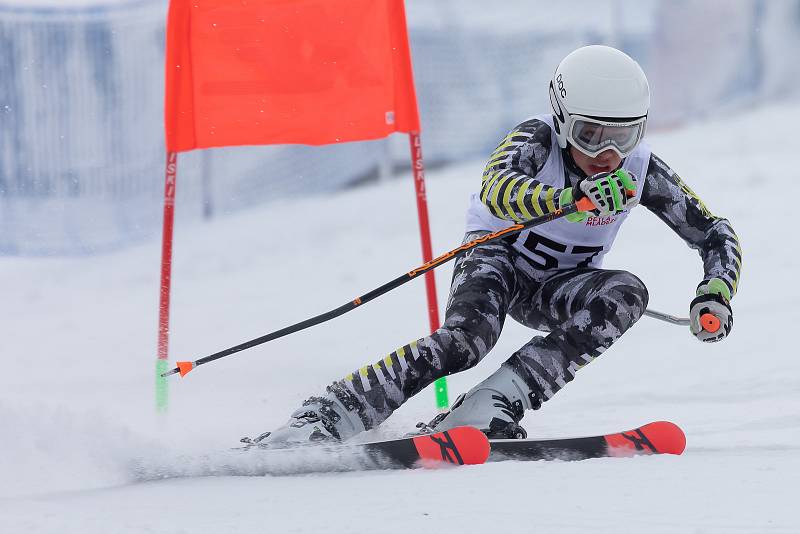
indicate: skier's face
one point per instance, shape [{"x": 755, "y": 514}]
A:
[{"x": 606, "y": 161}]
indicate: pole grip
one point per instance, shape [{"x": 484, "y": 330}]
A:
[
  {"x": 710, "y": 322},
  {"x": 585, "y": 204}
]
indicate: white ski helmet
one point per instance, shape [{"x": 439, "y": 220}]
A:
[{"x": 600, "y": 98}]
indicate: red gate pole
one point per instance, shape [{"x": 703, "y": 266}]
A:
[
  {"x": 418, "y": 168},
  {"x": 162, "y": 365}
]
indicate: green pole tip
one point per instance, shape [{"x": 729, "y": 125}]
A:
[
  {"x": 442, "y": 401},
  {"x": 162, "y": 386}
]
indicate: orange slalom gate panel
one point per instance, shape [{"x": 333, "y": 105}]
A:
[{"x": 270, "y": 71}]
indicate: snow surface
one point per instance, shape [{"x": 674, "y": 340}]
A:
[{"x": 83, "y": 450}]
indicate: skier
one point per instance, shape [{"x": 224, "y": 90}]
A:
[{"x": 548, "y": 278}]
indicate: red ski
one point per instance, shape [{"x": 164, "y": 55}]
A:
[
  {"x": 661, "y": 437},
  {"x": 469, "y": 446},
  {"x": 458, "y": 446}
]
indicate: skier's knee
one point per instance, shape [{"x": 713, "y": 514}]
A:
[
  {"x": 476, "y": 347},
  {"x": 630, "y": 293},
  {"x": 636, "y": 289},
  {"x": 479, "y": 334},
  {"x": 618, "y": 293},
  {"x": 460, "y": 347}
]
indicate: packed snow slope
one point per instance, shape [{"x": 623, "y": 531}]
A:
[{"x": 83, "y": 451}]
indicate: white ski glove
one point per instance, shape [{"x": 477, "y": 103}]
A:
[{"x": 710, "y": 313}]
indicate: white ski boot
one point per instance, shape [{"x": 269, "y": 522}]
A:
[
  {"x": 320, "y": 419},
  {"x": 495, "y": 406}
]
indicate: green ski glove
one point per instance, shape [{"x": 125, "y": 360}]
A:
[
  {"x": 611, "y": 193},
  {"x": 564, "y": 199}
]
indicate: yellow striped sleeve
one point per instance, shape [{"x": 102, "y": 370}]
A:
[
  {"x": 507, "y": 200},
  {"x": 488, "y": 172},
  {"x": 494, "y": 206},
  {"x": 526, "y": 215},
  {"x": 738, "y": 261},
  {"x": 537, "y": 207},
  {"x": 548, "y": 199},
  {"x": 500, "y": 154},
  {"x": 488, "y": 184},
  {"x": 508, "y": 142}
]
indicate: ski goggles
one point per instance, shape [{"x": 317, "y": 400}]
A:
[{"x": 593, "y": 136}]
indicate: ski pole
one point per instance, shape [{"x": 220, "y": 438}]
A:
[
  {"x": 583, "y": 204},
  {"x": 708, "y": 321},
  {"x": 682, "y": 321}
]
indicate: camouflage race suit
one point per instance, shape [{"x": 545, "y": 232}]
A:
[{"x": 584, "y": 310}]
